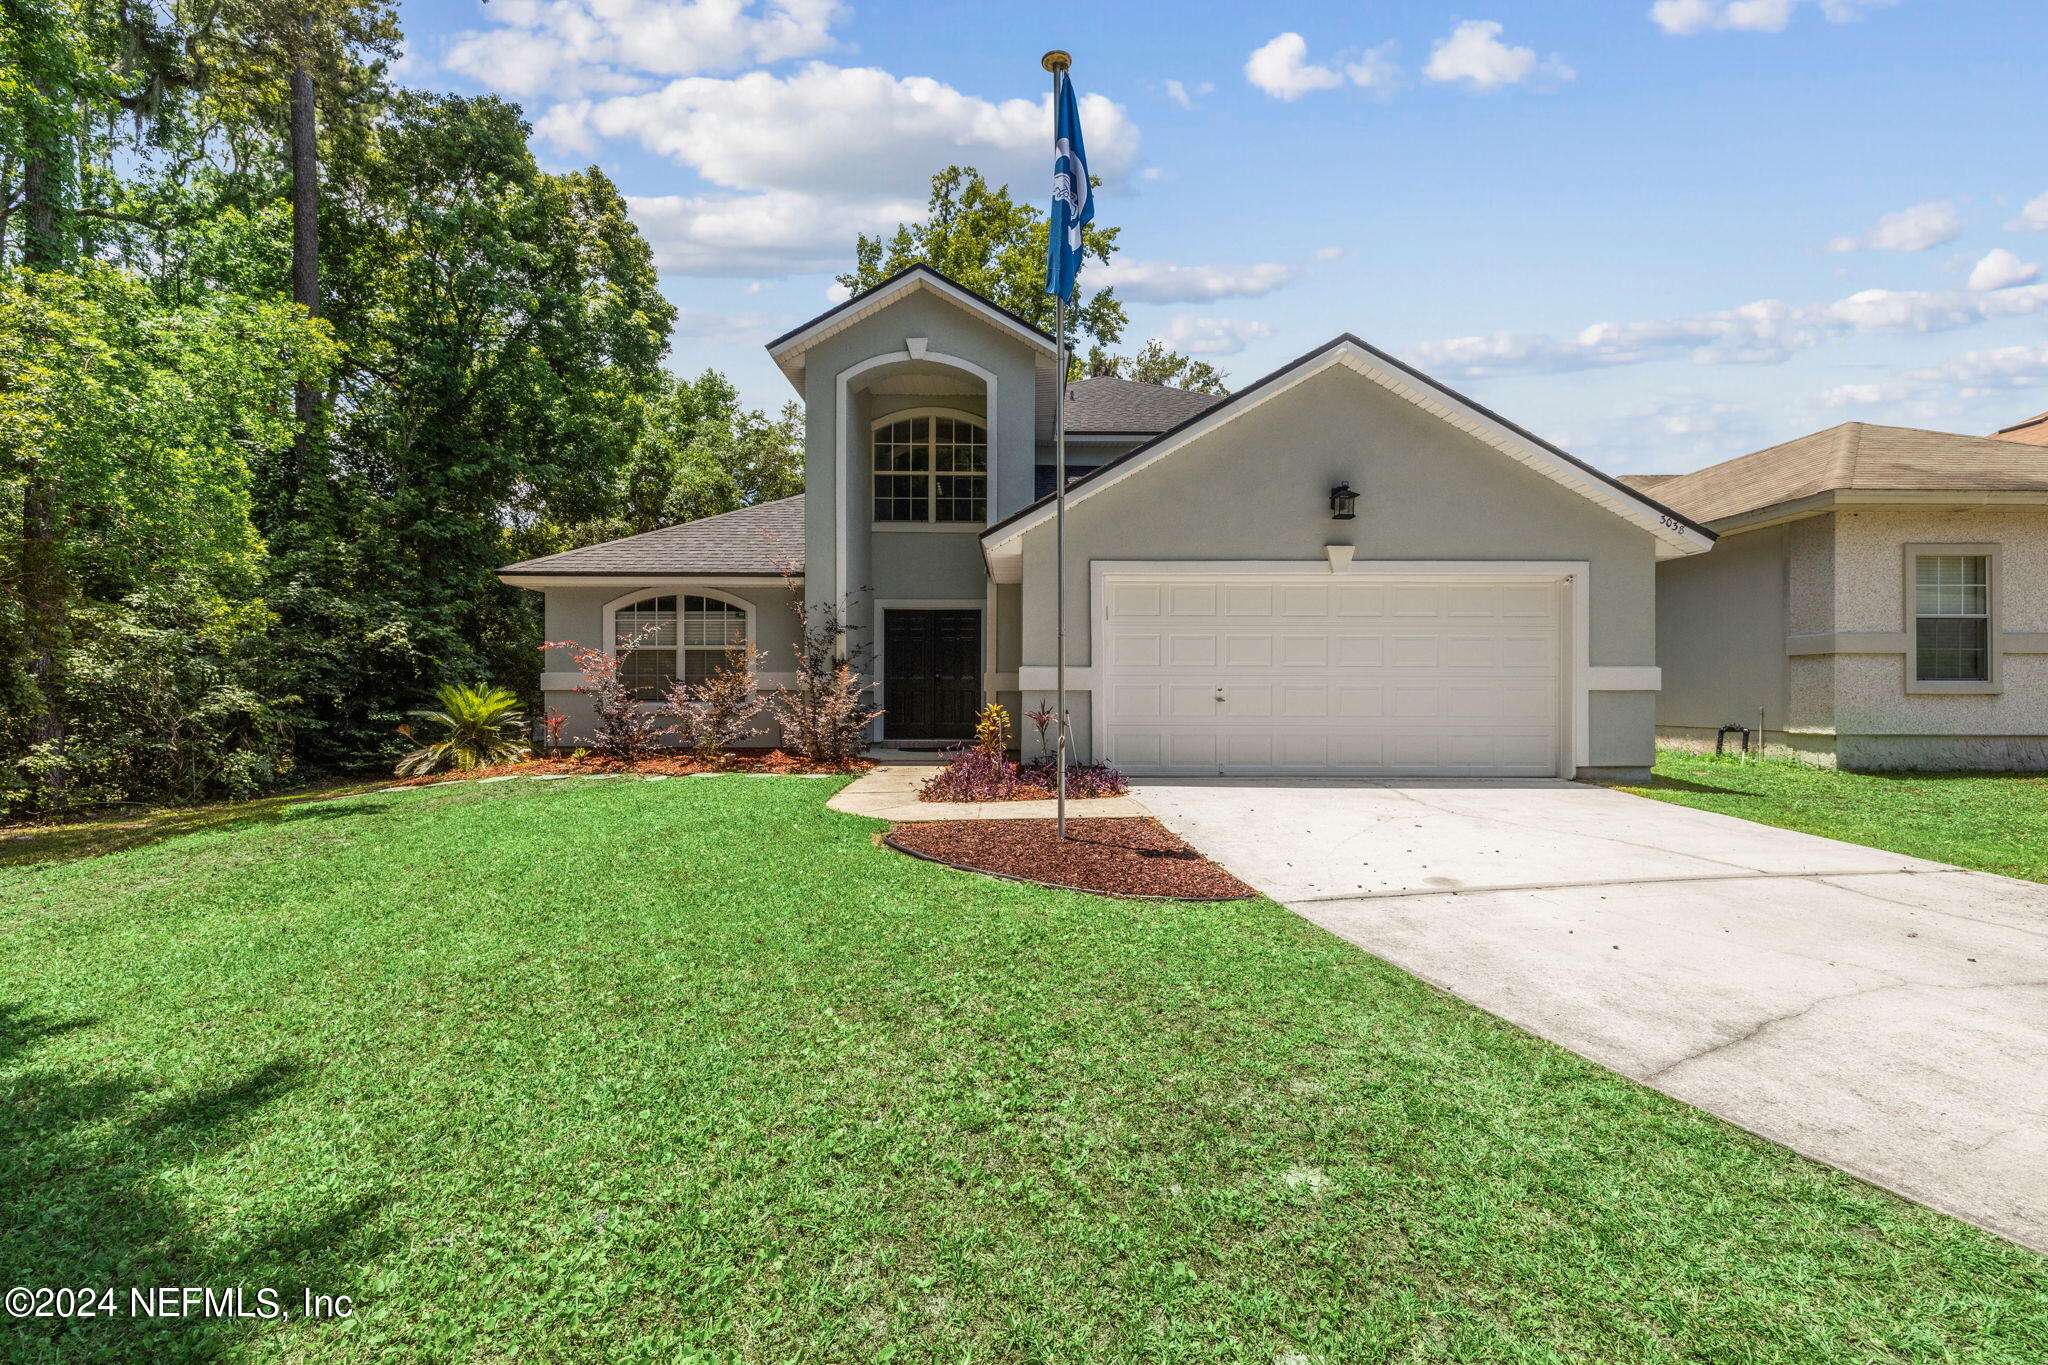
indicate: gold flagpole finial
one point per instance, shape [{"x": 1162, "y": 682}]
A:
[{"x": 1056, "y": 61}]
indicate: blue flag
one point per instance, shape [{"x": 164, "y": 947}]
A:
[{"x": 1073, "y": 206}]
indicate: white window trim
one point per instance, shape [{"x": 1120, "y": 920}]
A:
[
  {"x": 612, "y": 608},
  {"x": 1581, "y": 677},
  {"x": 1994, "y": 641},
  {"x": 930, "y": 475}
]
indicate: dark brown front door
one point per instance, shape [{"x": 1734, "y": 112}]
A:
[{"x": 931, "y": 673}]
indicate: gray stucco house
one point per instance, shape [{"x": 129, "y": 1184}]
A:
[
  {"x": 1490, "y": 611},
  {"x": 1878, "y": 599}
]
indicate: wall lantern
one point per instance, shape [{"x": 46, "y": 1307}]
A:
[{"x": 1343, "y": 502}]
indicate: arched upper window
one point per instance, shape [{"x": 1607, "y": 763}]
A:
[
  {"x": 931, "y": 466},
  {"x": 661, "y": 639}
]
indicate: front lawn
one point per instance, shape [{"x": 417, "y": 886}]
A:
[
  {"x": 1994, "y": 822},
  {"x": 623, "y": 1071}
]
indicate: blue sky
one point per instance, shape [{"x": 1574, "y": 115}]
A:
[{"x": 1659, "y": 234}]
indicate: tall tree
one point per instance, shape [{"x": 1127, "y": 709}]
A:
[
  {"x": 700, "y": 453},
  {"x": 979, "y": 235},
  {"x": 1157, "y": 364}
]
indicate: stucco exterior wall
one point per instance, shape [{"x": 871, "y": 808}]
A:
[
  {"x": 1870, "y": 690},
  {"x": 926, "y": 565},
  {"x": 577, "y": 614},
  {"x": 1845, "y": 609},
  {"x": 1721, "y": 627},
  {"x": 1257, "y": 488}
]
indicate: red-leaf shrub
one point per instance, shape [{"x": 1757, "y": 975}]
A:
[
  {"x": 624, "y": 731},
  {"x": 1083, "y": 779},
  {"x": 974, "y": 776}
]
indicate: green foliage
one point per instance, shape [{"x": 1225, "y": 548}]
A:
[
  {"x": 174, "y": 699},
  {"x": 482, "y": 727},
  {"x": 984, "y": 238},
  {"x": 699, "y": 453},
  {"x": 1156, "y": 364}
]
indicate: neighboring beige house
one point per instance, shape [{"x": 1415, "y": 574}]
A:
[
  {"x": 1878, "y": 598},
  {"x": 1490, "y": 610}
]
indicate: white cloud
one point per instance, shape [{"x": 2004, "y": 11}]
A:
[
  {"x": 2034, "y": 216},
  {"x": 1161, "y": 282},
  {"x": 746, "y": 329},
  {"x": 1281, "y": 68},
  {"x": 1670, "y": 435},
  {"x": 1944, "y": 389},
  {"x": 1374, "y": 69},
  {"x": 776, "y": 232},
  {"x": 1919, "y": 228},
  {"x": 571, "y": 47},
  {"x": 854, "y": 131},
  {"x": 814, "y": 156},
  {"x": 2000, "y": 269},
  {"x": 1185, "y": 95},
  {"x": 1688, "y": 17},
  {"x": 1329, "y": 253},
  {"x": 1475, "y": 55},
  {"x": 1212, "y": 336},
  {"x": 1762, "y": 333}
]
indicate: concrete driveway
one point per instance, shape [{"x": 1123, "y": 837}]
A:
[{"x": 1883, "y": 1014}]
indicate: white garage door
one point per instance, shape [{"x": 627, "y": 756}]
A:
[{"x": 1339, "y": 677}]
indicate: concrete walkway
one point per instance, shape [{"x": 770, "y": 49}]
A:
[
  {"x": 1883, "y": 1014},
  {"x": 889, "y": 792}
]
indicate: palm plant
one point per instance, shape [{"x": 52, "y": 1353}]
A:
[{"x": 484, "y": 728}]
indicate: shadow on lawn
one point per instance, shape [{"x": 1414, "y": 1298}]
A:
[
  {"x": 88, "y": 1198},
  {"x": 29, "y": 844},
  {"x": 1661, "y": 782}
]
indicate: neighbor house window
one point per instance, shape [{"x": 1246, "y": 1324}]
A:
[
  {"x": 679, "y": 637},
  {"x": 931, "y": 468},
  {"x": 1952, "y": 618}
]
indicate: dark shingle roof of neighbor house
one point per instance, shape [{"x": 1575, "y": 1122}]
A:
[
  {"x": 2033, "y": 431},
  {"x": 1105, "y": 405},
  {"x": 1854, "y": 456},
  {"x": 760, "y": 541}
]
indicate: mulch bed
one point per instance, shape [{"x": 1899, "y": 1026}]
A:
[
  {"x": 663, "y": 765},
  {"x": 1115, "y": 857}
]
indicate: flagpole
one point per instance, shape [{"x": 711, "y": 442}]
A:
[{"x": 1057, "y": 63}]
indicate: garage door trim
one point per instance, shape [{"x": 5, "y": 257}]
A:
[{"x": 1576, "y": 674}]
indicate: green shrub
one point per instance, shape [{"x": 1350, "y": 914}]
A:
[{"x": 483, "y": 729}]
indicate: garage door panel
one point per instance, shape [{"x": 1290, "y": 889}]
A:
[
  {"x": 1134, "y": 649},
  {"x": 1305, "y": 651},
  {"x": 1335, "y": 678},
  {"x": 1248, "y": 651},
  {"x": 1358, "y": 651},
  {"x": 1246, "y": 700}
]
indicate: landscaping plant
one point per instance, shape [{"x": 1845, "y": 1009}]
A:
[
  {"x": 992, "y": 731},
  {"x": 825, "y": 717},
  {"x": 552, "y": 722},
  {"x": 623, "y": 731},
  {"x": 483, "y": 729},
  {"x": 1041, "y": 718},
  {"x": 714, "y": 715}
]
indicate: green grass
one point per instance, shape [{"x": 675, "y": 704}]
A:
[
  {"x": 1994, "y": 822},
  {"x": 692, "y": 1071}
]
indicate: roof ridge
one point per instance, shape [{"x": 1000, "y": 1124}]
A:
[{"x": 1848, "y": 455}]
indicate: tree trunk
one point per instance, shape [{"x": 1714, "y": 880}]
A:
[
  {"x": 305, "y": 250},
  {"x": 43, "y": 589}
]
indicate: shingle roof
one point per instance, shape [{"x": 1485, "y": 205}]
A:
[
  {"x": 758, "y": 541},
  {"x": 1858, "y": 456},
  {"x": 1643, "y": 483},
  {"x": 1103, "y": 404},
  {"x": 2033, "y": 431}
]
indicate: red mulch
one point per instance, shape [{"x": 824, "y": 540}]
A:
[
  {"x": 1118, "y": 857},
  {"x": 670, "y": 765}
]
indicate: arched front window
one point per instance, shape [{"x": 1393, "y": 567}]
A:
[
  {"x": 931, "y": 467},
  {"x": 681, "y": 636}
]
